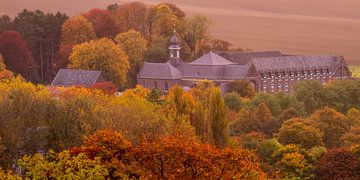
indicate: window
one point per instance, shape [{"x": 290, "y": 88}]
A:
[
  {"x": 264, "y": 88},
  {"x": 144, "y": 83},
  {"x": 279, "y": 86},
  {"x": 286, "y": 87},
  {"x": 155, "y": 85},
  {"x": 166, "y": 88},
  {"x": 272, "y": 87}
]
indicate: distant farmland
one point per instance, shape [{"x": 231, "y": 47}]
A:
[{"x": 291, "y": 26}]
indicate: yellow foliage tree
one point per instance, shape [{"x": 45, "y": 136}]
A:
[
  {"x": 2, "y": 65},
  {"x": 134, "y": 46},
  {"x": 103, "y": 55},
  {"x": 76, "y": 30}
]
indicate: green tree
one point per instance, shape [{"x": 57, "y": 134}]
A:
[
  {"x": 217, "y": 117},
  {"x": 234, "y": 101},
  {"x": 243, "y": 123},
  {"x": 155, "y": 96},
  {"x": 243, "y": 88},
  {"x": 332, "y": 123},
  {"x": 197, "y": 30},
  {"x": 310, "y": 93},
  {"x": 342, "y": 95},
  {"x": 301, "y": 134},
  {"x": 103, "y": 55},
  {"x": 288, "y": 114},
  {"x": 134, "y": 46},
  {"x": 76, "y": 30}
]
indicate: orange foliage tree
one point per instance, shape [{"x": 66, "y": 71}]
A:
[{"x": 175, "y": 156}]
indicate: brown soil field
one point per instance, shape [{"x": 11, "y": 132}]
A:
[{"x": 291, "y": 26}]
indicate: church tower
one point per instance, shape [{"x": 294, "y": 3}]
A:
[{"x": 174, "y": 50}]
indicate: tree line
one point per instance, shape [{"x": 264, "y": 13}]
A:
[
  {"x": 37, "y": 44},
  {"x": 184, "y": 134}
]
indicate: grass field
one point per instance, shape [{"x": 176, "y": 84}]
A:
[
  {"x": 291, "y": 26},
  {"x": 355, "y": 71}
]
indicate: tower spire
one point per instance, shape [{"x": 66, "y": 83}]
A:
[{"x": 174, "y": 49}]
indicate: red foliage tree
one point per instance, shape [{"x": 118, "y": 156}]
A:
[
  {"x": 16, "y": 53},
  {"x": 337, "y": 164},
  {"x": 106, "y": 87},
  {"x": 62, "y": 57},
  {"x": 103, "y": 22}
]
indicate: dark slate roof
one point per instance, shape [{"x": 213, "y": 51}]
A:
[
  {"x": 235, "y": 72},
  {"x": 211, "y": 58},
  {"x": 71, "y": 77},
  {"x": 294, "y": 62},
  {"x": 244, "y": 58},
  {"x": 189, "y": 70},
  {"x": 159, "y": 71}
]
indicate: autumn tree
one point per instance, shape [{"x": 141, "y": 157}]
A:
[
  {"x": 294, "y": 165},
  {"x": 103, "y": 55},
  {"x": 183, "y": 157},
  {"x": 2, "y": 64},
  {"x": 76, "y": 30},
  {"x": 180, "y": 102},
  {"x": 332, "y": 123},
  {"x": 270, "y": 100},
  {"x": 243, "y": 88},
  {"x": 353, "y": 116},
  {"x": 263, "y": 118},
  {"x": 16, "y": 54},
  {"x": 157, "y": 50},
  {"x": 62, "y": 57},
  {"x": 42, "y": 33},
  {"x": 166, "y": 20},
  {"x": 106, "y": 87},
  {"x": 220, "y": 45},
  {"x": 62, "y": 165},
  {"x": 134, "y": 46},
  {"x": 103, "y": 22},
  {"x": 337, "y": 164},
  {"x": 352, "y": 137},
  {"x": 293, "y": 162},
  {"x": 24, "y": 111},
  {"x": 301, "y": 134},
  {"x": 131, "y": 16},
  {"x": 197, "y": 30},
  {"x": 217, "y": 116}
]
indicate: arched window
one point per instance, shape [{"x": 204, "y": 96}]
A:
[
  {"x": 166, "y": 88},
  {"x": 155, "y": 85}
]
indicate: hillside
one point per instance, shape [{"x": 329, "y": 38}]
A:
[{"x": 292, "y": 26}]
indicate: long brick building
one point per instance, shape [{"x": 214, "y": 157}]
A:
[{"x": 269, "y": 71}]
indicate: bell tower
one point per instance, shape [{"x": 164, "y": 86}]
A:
[{"x": 174, "y": 50}]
